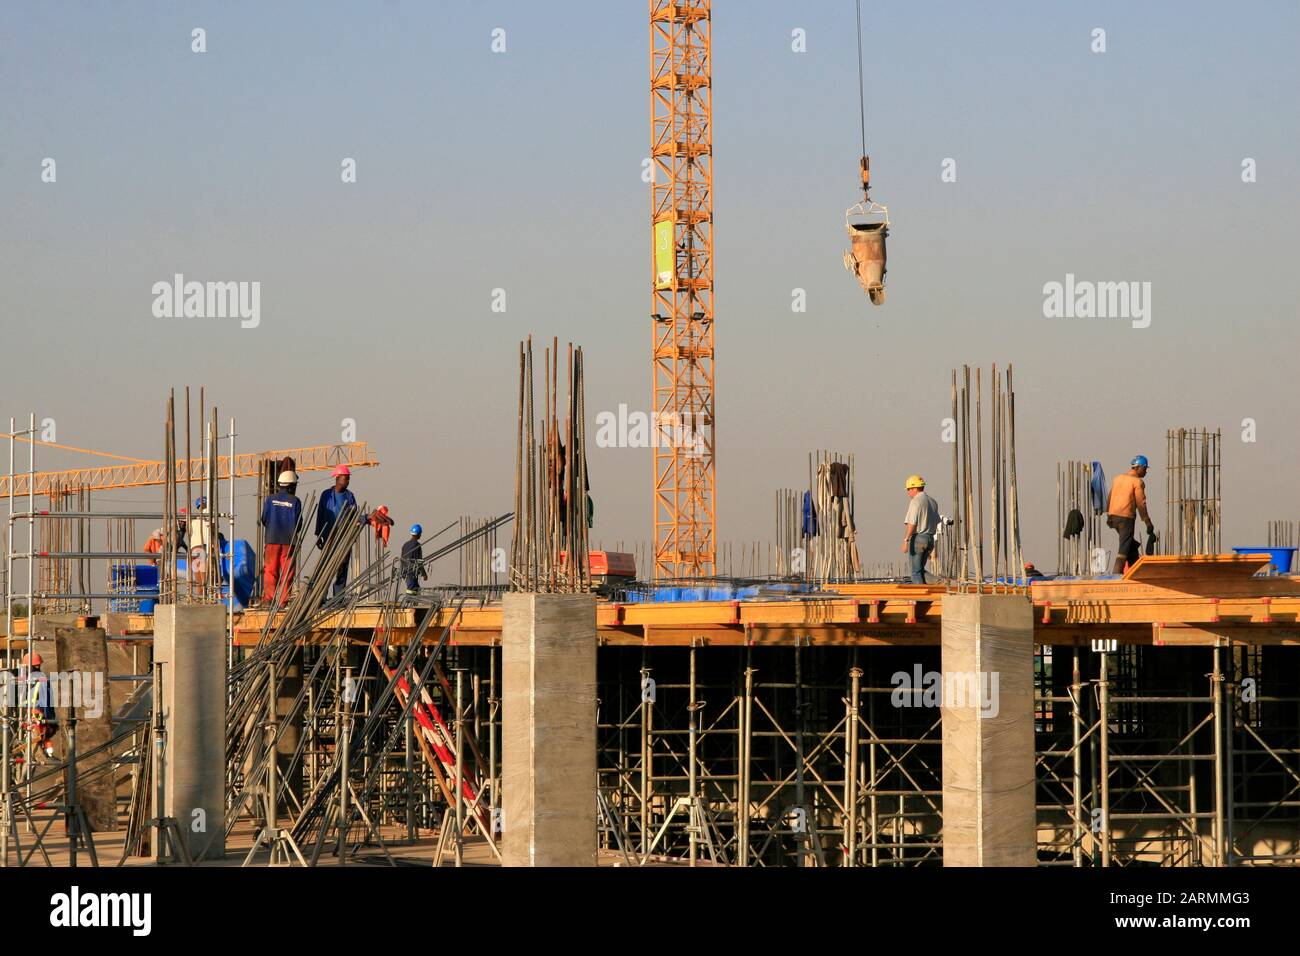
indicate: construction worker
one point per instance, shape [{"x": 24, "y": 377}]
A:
[
  {"x": 36, "y": 692},
  {"x": 336, "y": 503},
  {"x": 198, "y": 541},
  {"x": 281, "y": 517},
  {"x": 1128, "y": 499},
  {"x": 155, "y": 543},
  {"x": 920, "y": 525},
  {"x": 413, "y": 561}
]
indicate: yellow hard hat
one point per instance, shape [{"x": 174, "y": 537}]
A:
[{"x": 915, "y": 481}]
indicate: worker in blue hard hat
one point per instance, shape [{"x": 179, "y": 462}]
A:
[
  {"x": 1128, "y": 500},
  {"x": 413, "y": 561}
]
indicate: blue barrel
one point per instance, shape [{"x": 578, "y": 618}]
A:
[{"x": 1280, "y": 558}]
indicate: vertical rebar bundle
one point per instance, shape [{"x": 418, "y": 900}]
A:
[
  {"x": 789, "y": 536},
  {"x": 550, "y": 547},
  {"x": 478, "y": 554},
  {"x": 1281, "y": 534},
  {"x": 831, "y": 552},
  {"x": 1074, "y": 491},
  {"x": 1194, "y": 499},
  {"x": 167, "y": 585},
  {"x": 1002, "y": 494}
]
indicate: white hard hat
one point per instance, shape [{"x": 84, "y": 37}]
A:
[{"x": 288, "y": 478}]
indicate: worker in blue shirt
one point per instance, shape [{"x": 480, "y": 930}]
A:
[
  {"x": 334, "y": 504},
  {"x": 413, "y": 561},
  {"x": 281, "y": 516}
]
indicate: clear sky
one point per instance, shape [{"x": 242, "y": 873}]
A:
[{"x": 521, "y": 171}]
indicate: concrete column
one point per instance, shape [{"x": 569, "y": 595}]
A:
[
  {"x": 548, "y": 736},
  {"x": 40, "y": 640},
  {"x": 82, "y": 673},
  {"x": 988, "y": 730},
  {"x": 190, "y": 643}
]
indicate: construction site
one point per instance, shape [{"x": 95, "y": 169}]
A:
[{"x": 201, "y": 680}]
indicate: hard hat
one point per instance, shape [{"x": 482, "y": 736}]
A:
[
  {"x": 915, "y": 481},
  {"x": 288, "y": 478},
  {"x": 1139, "y": 461},
  {"x": 341, "y": 470},
  {"x": 33, "y": 659},
  {"x": 416, "y": 529},
  {"x": 1029, "y": 565}
]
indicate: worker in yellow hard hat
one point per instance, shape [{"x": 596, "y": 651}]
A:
[{"x": 920, "y": 524}]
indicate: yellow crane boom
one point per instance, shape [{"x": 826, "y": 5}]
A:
[{"x": 139, "y": 474}]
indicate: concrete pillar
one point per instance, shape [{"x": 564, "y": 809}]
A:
[
  {"x": 40, "y": 639},
  {"x": 548, "y": 735},
  {"x": 80, "y": 665},
  {"x": 988, "y": 730},
  {"x": 42, "y": 626},
  {"x": 190, "y": 643}
]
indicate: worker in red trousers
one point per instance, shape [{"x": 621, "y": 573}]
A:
[{"x": 281, "y": 516}]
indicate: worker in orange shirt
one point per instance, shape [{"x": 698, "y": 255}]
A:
[
  {"x": 1128, "y": 500},
  {"x": 155, "y": 544}
]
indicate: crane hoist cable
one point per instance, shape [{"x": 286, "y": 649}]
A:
[
  {"x": 867, "y": 221},
  {"x": 862, "y": 98}
]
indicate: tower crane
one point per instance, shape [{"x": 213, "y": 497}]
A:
[{"x": 682, "y": 354}]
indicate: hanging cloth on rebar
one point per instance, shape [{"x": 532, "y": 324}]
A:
[
  {"x": 809, "y": 516},
  {"x": 1073, "y": 524},
  {"x": 381, "y": 524},
  {"x": 1098, "y": 488},
  {"x": 839, "y": 479}
]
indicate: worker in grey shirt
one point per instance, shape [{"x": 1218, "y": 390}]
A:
[{"x": 922, "y": 522}]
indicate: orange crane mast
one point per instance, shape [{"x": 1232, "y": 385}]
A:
[{"x": 681, "y": 134}]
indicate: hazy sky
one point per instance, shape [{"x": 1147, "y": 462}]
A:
[{"x": 522, "y": 171}]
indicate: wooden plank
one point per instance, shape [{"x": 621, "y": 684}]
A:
[
  {"x": 1199, "y": 573},
  {"x": 1117, "y": 589}
]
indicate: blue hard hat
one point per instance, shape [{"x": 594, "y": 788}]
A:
[
  {"x": 1139, "y": 461},
  {"x": 416, "y": 529}
]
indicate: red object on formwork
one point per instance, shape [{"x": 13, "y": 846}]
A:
[{"x": 607, "y": 564}]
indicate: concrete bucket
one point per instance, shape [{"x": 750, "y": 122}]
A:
[{"x": 866, "y": 255}]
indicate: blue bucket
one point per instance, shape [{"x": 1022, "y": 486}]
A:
[{"x": 1281, "y": 558}]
